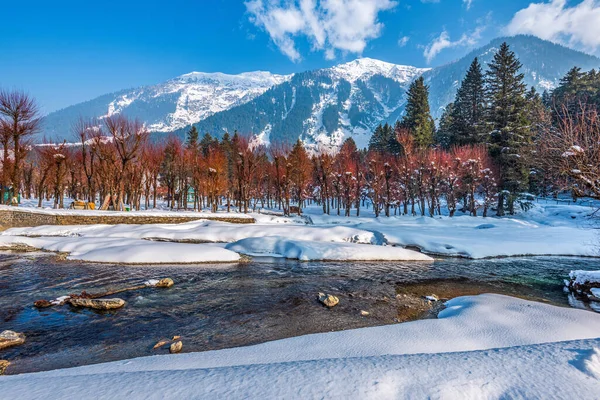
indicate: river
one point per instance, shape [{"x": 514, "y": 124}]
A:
[{"x": 226, "y": 305}]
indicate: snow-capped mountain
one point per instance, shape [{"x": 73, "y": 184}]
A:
[
  {"x": 174, "y": 104},
  {"x": 322, "y": 107}
]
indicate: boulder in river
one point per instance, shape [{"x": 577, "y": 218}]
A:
[
  {"x": 165, "y": 283},
  {"x": 43, "y": 304},
  {"x": 328, "y": 300},
  {"x": 98, "y": 304},
  {"x": 3, "y": 365},
  {"x": 176, "y": 347},
  {"x": 10, "y": 338}
]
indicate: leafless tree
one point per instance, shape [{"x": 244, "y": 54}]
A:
[
  {"x": 19, "y": 118},
  {"x": 128, "y": 136},
  {"x": 570, "y": 152}
]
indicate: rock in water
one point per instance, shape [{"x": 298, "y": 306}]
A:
[
  {"x": 43, "y": 304},
  {"x": 328, "y": 300},
  {"x": 165, "y": 283},
  {"x": 160, "y": 344},
  {"x": 176, "y": 347},
  {"x": 10, "y": 338},
  {"x": 3, "y": 365},
  {"x": 98, "y": 304}
]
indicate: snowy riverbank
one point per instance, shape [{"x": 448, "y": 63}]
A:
[
  {"x": 487, "y": 346},
  {"x": 547, "y": 229}
]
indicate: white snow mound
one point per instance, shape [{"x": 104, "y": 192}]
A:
[{"x": 305, "y": 250}]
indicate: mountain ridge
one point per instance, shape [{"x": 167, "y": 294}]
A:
[{"x": 322, "y": 107}]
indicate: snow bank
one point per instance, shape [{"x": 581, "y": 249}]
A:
[
  {"x": 206, "y": 231},
  {"x": 304, "y": 250},
  {"x": 128, "y": 251},
  {"x": 544, "y": 230},
  {"x": 584, "y": 277},
  {"x": 443, "y": 358}
]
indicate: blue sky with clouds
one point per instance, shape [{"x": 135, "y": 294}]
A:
[{"x": 65, "y": 52}]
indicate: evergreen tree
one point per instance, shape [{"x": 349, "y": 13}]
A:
[
  {"x": 394, "y": 147},
  {"x": 576, "y": 88},
  {"x": 418, "y": 116},
  {"x": 469, "y": 108},
  {"x": 191, "y": 141},
  {"x": 206, "y": 143},
  {"x": 510, "y": 136},
  {"x": 445, "y": 133},
  {"x": 384, "y": 140},
  {"x": 540, "y": 121},
  {"x": 378, "y": 141}
]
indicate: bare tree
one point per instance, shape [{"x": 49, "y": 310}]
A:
[
  {"x": 128, "y": 136},
  {"x": 571, "y": 152},
  {"x": 19, "y": 118},
  {"x": 86, "y": 132}
]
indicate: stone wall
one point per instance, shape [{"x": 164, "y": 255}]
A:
[{"x": 14, "y": 218}]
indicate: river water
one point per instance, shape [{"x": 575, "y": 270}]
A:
[{"x": 227, "y": 305}]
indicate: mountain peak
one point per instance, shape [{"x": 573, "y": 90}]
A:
[{"x": 364, "y": 68}]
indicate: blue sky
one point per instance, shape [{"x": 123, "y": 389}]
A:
[{"x": 65, "y": 52}]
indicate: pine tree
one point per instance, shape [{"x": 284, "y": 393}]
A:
[
  {"x": 445, "y": 133},
  {"x": 191, "y": 141},
  {"x": 540, "y": 121},
  {"x": 378, "y": 141},
  {"x": 206, "y": 143},
  {"x": 468, "y": 126},
  {"x": 418, "y": 116},
  {"x": 394, "y": 146},
  {"x": 510, "y": 136},
  {"x": 384, "y": 140}
]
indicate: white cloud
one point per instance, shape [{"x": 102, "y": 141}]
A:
[
  {"x": 443, "y": 42},
  {"x": 468, "y": 3},
  {"x": 403, "y": 41},
  {"x": 329, "y": 25},
  {"x": 578, "y": 25}
]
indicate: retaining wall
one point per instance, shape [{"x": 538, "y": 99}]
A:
[{"x": 16, "y": 218}]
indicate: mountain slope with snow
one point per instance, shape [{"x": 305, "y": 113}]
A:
[
  {"x": 171, "y": 105},
  {"x": 321, "y": 107}
]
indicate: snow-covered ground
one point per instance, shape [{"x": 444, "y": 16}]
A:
[
  {"x": 308, "y": 250},
  {"x": 128, "y": 251},
  {"x": 486, "y": 346},
  {"x": 546, "y": 229}
]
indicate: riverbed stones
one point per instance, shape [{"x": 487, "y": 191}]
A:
[
  {"x": 10, "y": 338},
  {"x": 364, "y": 313},
  {"x": 328, "y": 300},
  {"x": 98, "y": 304},
  {"x": 176, "y": 347},
  {"x": 165, "y": 283},
  {"x": 3, "y": 365}
]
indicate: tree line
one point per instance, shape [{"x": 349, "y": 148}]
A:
[{"x": 495, "y": 144}]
